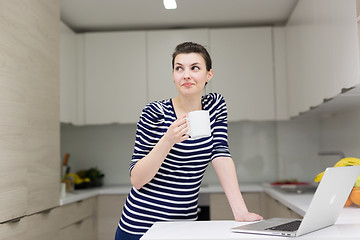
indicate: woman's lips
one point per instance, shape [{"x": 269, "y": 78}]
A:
[{"x": 188, "y": 84}]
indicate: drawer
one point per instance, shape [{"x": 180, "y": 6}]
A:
[
  {"x": 43, "y": 225},
  {"x": 75, "y": 212},
  {"x": 82, "y": 230},
  {"x": 109, "y": 212},
  {"x": 13, "y": 230}
]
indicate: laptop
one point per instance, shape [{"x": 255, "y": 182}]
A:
[{"x": 324, "y": 209}]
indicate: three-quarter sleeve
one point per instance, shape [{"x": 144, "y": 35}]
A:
[
  {"x": 149, "y": 131},
  {"x": 219, "y": 128}
]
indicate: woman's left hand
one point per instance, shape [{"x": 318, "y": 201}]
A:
[{"x": 249, "y": 217}]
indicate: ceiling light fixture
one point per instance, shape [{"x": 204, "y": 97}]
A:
[{"x": 170, "y": 4}]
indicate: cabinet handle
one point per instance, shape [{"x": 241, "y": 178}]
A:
[
  {"x": 47, "y": 211},
  {"x": 15, "y": 220},
  {"x": 79, "y": 222}
]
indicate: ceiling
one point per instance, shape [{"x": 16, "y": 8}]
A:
[{"x": 111, "y": 15}]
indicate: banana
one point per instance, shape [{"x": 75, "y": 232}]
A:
[
  {"x": 319, "y": 176},
  {"x": 349, "y": 161}
]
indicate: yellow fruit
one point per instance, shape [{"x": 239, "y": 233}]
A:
[
  {"x": 318, "y": 177},
  {"x": 349, "y": 161},
  {"x": 74, "y": 177},
  {"x": 357, "y": 183},
  {"x": 348, "y": 202},
  {"x": 355, "y": 196}
]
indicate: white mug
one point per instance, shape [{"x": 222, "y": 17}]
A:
[{"x": 199, "y": 122}]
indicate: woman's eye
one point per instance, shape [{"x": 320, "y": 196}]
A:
[
  {"x": 178, "y": 68},
  {"x": 195, "y": 68}
]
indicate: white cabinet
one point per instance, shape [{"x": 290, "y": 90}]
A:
[
  {"x": 115, "y": 77},
  {"x": 160, "y": 46},
  {"x": 68, "y": 75},
  {"x": 322, "y": 52},
  {"x": 243, "y": 71},
  {"x": 118, "y": 73}
]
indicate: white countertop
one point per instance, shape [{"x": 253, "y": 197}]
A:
[
  {"x": 299, "y": 203},
  {"x": 346, "y": 227},
  {"x": 79, "y": 195},
  {"x": 221, "y": 230}
]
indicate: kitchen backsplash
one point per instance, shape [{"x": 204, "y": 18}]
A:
[{"x": 262, "y": 151}]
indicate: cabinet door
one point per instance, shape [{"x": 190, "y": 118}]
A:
[
  {"x": 109, "y": 212},
  {"x": 243, "y": 71},
  {"x": 322, "y": 52},
  {"x": 68, "y": 75},
  {"x": 273, "y": 208},
  {"x": 29, "y": 108},
  {"x": 160, "y": 46},
  {"x": 82, "y": 230},
  {"x": 115, "y": 77},
  {"x": 42, "y": 225},
  {"x": 221, "y": 210}
]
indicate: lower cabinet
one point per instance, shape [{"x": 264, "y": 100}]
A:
[
  {"x": 43, "y": 225},
  {"x": 256, "y": 202},
  {"x": 220, "y": 208},
  {"x": 96, "y": 218},
  {"x": 78, "y": 220},
  {"x": 84, "y": 229},
  {"x": 273, "y": 208},
  {"x": 108, "y": 212}
]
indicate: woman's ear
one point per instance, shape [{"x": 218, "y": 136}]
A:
[{"x": 210, "y": 75}]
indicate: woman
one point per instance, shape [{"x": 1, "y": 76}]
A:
[{"x": 167, "y": 166}]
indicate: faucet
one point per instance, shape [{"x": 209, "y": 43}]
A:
[{"x": 330, "y": 153}]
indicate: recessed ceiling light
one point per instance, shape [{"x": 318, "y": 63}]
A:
[{"x": 170, "y": 4}]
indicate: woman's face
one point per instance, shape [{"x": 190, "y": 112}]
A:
[{"x": 190, "y": 74}]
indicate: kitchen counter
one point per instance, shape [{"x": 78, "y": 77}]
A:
[
  {"x": 79, "y": 195},
  {"x": 346, "y": 227},
  {"x": 83, "y": 194},
  {"x": 220, "y": 230},
  {"x": 299, "y": 203}
]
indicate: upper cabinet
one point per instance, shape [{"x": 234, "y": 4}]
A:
[
  {"x": 322, "y": 52},
  {"x": 115, "y": 77},
  {"x": 160, "y": 46},
  {"x": 243, "y": 71},
  {"x": 111, "y": 76},
  {"x": 68, "y": 75}
]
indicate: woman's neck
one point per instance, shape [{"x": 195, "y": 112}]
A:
[{"x": 184, "y": 105}]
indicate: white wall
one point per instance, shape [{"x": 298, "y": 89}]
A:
[
  {"x": 110, "y": 147},
  {"x": 262, "y": 151},
  {"x": 298, "y": 147},
  {"x": 341, "y": 132}
]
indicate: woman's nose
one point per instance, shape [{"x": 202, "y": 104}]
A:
[{"x": 186, "y": 74}]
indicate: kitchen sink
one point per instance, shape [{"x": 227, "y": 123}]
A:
[{"x": 297, "y": 189}]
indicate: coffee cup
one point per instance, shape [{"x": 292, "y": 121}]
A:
[{"x": 199, "y": 124}]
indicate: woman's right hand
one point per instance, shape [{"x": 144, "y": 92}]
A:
[{"x": 177, "y": 132}]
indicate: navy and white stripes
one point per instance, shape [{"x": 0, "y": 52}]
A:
[{"x": 173, "y": 193}]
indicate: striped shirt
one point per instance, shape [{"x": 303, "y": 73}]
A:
[{"x": 173, "y": 192}]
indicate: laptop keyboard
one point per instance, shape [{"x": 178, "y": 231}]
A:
[{"x": 288, "y": 227}]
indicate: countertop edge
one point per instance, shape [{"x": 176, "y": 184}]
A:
[{"x": 80, "y": 195}]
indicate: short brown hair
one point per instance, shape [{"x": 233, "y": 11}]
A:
[{"x": 191, "y": 47}]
